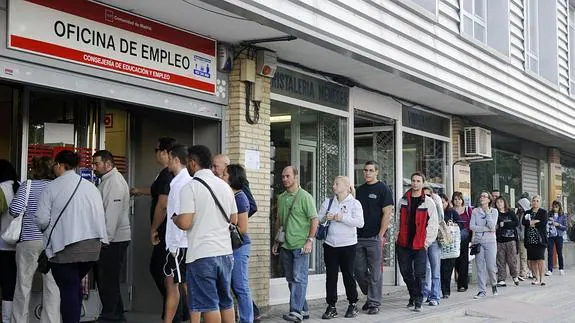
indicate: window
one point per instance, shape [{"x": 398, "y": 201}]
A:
[
  {"x": 486, "y": 22},
  {"x": 475, "y": 19},
  {"x": 572, "y": 48},
  {"x": 541, "y": 39},
  {"x": 532, "y": 36},
  {"x": 430, "y": 5}
]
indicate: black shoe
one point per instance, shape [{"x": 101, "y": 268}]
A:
[
  {"x": 352, "y": 311},
  {"x": 365, "y": 307},
  {"x": 445, "y": 296},
  {"x": 305, "y": 315},
  {"x": 417, "y": 308},
  {"x": 330, "y": 312},
  {"x": 291, "y": 317},
  {"x": 411, "y": 303},
  {"x": 373, "y": 310},
  {"x": 462, "y": 289}
]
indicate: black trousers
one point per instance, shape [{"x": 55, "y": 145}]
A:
[
  {"x": 447, "y": 266},
  {"x": 69, "y": 277},
  {"x": 7, "y": 274},
  {"x": 108, "y": 271},
  {"x": 340, "y": 258},
  {"x": 412, "y": 265},
  {"x": 157, "y": 262},
  {"x": 462, "y": 265}
]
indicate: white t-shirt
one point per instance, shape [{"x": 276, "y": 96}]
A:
[
  {"x": 210, "y": 234},
  {"x": 176, "y": 238}
]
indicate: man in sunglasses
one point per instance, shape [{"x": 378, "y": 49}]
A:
[{"x": 377, "y": 203}]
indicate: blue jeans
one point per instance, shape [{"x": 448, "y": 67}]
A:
[
  {"x": 556, "y": 242},
  {"x": 209, "y": 281},
  {"x": 432, "y": 287},
  {"x": 241, "y": 283},
  {"x": 295, "y": 265}
]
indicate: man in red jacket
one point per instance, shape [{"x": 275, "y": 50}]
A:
[{"x": 417, "y": 229}]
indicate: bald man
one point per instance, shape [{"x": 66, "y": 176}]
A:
[{"x": 219, "y": 164}]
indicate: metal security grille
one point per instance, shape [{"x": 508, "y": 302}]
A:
[
  {"x": 385, "y": 150},
  {"x": 435, "y": 159},
  {"x": 331, "y": 163}
]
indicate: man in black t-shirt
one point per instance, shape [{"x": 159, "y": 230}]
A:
[
  {"x": 377, "y": 203},
  {"x": 159, "y": 191}
]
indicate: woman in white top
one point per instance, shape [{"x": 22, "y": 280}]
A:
[{"x": 345, "y": 215}]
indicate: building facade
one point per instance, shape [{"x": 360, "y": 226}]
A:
[{"x": 394, "y": 81}]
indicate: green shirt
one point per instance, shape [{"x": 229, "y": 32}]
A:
[
  {"x": 3, "y": 203},
  {"x": 298, "y": 224}
]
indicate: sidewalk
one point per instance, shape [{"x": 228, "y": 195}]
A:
[{"x": 524, "y": 303}]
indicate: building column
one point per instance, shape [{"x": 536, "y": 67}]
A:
[
  {"x": 555, "y": 175},
  {"x": 242, "y": 137}
]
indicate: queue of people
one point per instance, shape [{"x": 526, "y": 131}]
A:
[{"x": 197, "y": 198}]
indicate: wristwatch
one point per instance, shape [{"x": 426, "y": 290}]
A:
[{"x": 310, "y": 238}]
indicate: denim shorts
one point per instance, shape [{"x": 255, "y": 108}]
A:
[{"x": 209, "y": 281}]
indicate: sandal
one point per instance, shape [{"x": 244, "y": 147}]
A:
[
  {"x": 543, "y": 284},
  {"x": 534, "y": 282}
]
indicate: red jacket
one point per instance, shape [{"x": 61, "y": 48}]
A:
[{"x": 422, "y": 219}]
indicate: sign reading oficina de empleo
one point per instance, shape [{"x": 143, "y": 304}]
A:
[{"x": 100, "y": 36}]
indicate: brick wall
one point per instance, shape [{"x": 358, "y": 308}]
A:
[{"x": 242, "y": 136}]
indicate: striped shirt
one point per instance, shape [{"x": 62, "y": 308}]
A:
[{"x": 30, "y": 230}]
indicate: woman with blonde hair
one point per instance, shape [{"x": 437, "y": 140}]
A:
[
  {"x": 483, "y": 224},
  {"x": 344, "y": 214},
  {"x": 535, "y": 222}
]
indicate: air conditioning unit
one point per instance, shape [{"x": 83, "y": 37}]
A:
[{"x": 477, "y": 142}]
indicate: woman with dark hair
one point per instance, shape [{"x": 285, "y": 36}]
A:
[
  {"x": 30, "y": 246},
  {"x": 447, "y": 265},
  {"x": 8, "y": 187},
  {"x": 535, "y": 222},
  {"x": 557, "y": 225},
  {"x": 507, "y": 240},
  {"x": 236, "y": 177},
  {"x": 462, "y": 262},
  {"x": 483, "y": 224}
]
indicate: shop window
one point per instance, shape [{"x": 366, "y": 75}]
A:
[
  {"x": 502, "y": 173},
  {"x": 315, "y": 142},
  {"x": 61, "y": 121},
  {"x": 568, "y": 185},
  {"x": 9, "y": 102},
  {"x": 426, "y": 155}
]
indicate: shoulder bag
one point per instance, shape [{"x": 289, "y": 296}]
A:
[
  {"x": 452, "y": 249},
  {"x": 14, "y": 230},
  {"x": 43, "y": 262},
  {"x": 235, "y": 234},
  {"x": 324, "y": 227},
  {"x": 281, "y": 235}
]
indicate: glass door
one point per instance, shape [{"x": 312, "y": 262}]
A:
[
  {"x": 307, "y": 178},
  {"x": 378, "y": 144}
]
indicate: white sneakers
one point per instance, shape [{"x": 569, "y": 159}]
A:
[
  {"x": 549, "y": 273},
  {"x": 562, "y": 272},
  {"x": 501, "y": 283}
]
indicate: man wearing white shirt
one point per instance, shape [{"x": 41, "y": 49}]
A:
[
  {"x": 209, "y": 255},
  {"x": 176, "y": 239}
]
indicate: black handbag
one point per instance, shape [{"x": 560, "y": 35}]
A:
[
  {"x": 43, "y": 261},
  {"x": 533, "y": 237},
  {"x": 235, "y": 234},
  {"x": 323, "y": 228},
  {"x": 474, "y": 249}
]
